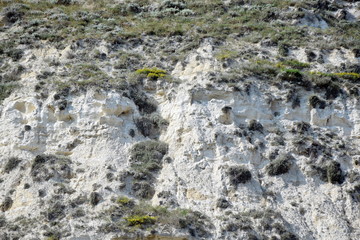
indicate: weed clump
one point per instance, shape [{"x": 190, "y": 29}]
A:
[
  {"x": 147, "y": 156},
  {"x": 350, "y": 75},
  {"x": 55, "y": 211},
  {"x": 11, "y": 164},
  {"x": 145, "y": 161},
  {"x": 142, "y": 215},
  {"x": 151, "y": 125},
  {"x": 293, "y": 64},
  {"x": 152, "y": 73},
  {"x": 222, "y": 203},
  {"x": 316, "y": 102},
  {"x": 239, "y": 174},
  {"x": 95, "y": 198},
  {"x": 6, "y": 204},
  {"x": 6, "y": 90},
  {"x": 334, "y": 173},
  {"x": 45, "y": 167},
  {"x": 344, "y": 75},
  {"x": 14, "y": 13},
  {"x": 143, "y": 189},
  {"x": 140, "y": 220},
  {"x": 145, "y": 104},
  {"x": 255, "y": 126},
  {"x": 124, "y": 201},
  {"x": 279, "y": 166},
  {"x": 292, "y": 76},
  {"x": 355, "y": 193},
  {"x": 331, "y": 173},
  {"x": 64, "y": 2}
]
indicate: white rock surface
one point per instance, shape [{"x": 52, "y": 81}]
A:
[{"x": 93, "y": 131}]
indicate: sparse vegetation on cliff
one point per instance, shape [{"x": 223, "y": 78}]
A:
[{"x": 123, "y": 113}]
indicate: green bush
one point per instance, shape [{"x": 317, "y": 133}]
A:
[
  {"x": 145, "y": 161},
  {"x": 238, "y": 174},
  {"x": 293, "y": 64},
  {"x": 334, "y": 173},
  {"x": 147, "y": 156},
  {"x": 255, "y": 126},
  {"x": 124, "y": 201},
  {"x": 44, "y": 167},
  {"x": 6, "y": 90},
  {"x": 95, "y": 198},
  {"x": 152, "y": 73},
  {"x": 6, "y": 204},
  {"x": 11, "y": 164},
  {"x": 145, "y": 104},
  {"x": 140, "y": 220},
  {"x": 150, "y": 125},
  {"x": 316, "y": 102},
  {"x": 355, "y": 193},
  {"x": 279, "y": 166}
]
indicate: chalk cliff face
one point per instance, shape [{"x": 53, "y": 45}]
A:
[{"x": 230, "y": 140}]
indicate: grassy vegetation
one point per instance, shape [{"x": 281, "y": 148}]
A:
[
  {"x": 6, "y": 90},
  {"x": 147, "y": 156},
  {"x": 152, "y": 73},
  {"x": 11, "y": 164},
  {"x": 198, "y": 19},
  {"x": 226, "y": 53},
  {"x": 137, "y": 220},
  {"x": 142, "y": 215},
  {"x": 293, "y": 69},
  {"x": 292, "y": 64},
  {"x": 124, "y": 201},
  {"x": 344, "y": 75}
]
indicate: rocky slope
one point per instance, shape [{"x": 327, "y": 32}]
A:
[{"x": 210, "y": 120}]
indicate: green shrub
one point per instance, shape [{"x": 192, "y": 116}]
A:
[
  {"x": 6, "y": 90},
  {"x": 151, "y": 125},
  {"x": 143, "y": 189},
  {"x": 11, "y": 164},
  {"x": 261, "y": 68},
  {"x": 152, "y": 73},
  {"x": 53, "y": 237},
  {"x": 334, "y": 173},
  {"x": 293, "y": 71},
  {"x": 145, "y": 104},
  {"x": 124, "y": 201},
  {"x": 64, "y": 2},
  {"x": 44, "y": 167},
  {"x": 279, "y": 166},
  {"x": 15, "y": 54},
  {"x": 255, "y": 126},
  {"x": 95, "y": 198},
  {"x": 6, "y": 204},
  {"x": 293, "y": 64},
  {"x": 293, "y": 76},
  {"x": 316, "y": 102},
  {"x": 355, "y": 193},
  {"x": 140, "y": 220},
  {"x": 353, "y": 76},
  {"x": 283, "y": 49},
  {"x": 55, "y": 212},
  {"x": 147, "y": 156},
  {"x": 238, "y": 174},
  {"x": 145, "y": 161},
  {"x": 2, "y": 221}
]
